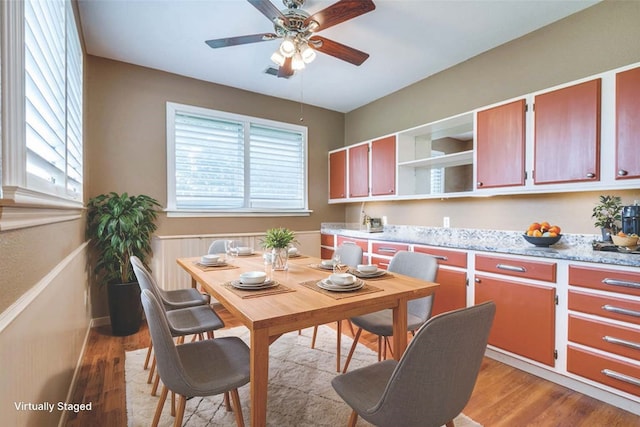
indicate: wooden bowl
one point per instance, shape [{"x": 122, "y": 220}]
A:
[{"x": 625, "y": 241}]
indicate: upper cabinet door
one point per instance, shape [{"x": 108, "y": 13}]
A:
[
  {"x": 501, "y": 146},
  {"x": 338, "y": 174},
  {"x": 359, "y": 171},
  {"x": 628, "y": 124},
  {"x": 383, "y": 166},
  {"x": 567, "y": 134}
]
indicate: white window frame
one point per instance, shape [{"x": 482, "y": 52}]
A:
[
  {"x": 23, "y": 202},
  {"x": 173, "y": 211}
]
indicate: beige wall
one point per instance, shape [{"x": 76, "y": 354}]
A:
[
  {"x": 600, "y": 38},
  {"x": 126, "y": 139}
]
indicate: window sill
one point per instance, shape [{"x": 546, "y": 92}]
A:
[
  {"x": 21, "y": 208},
  {"x": 236, "y": 214}
]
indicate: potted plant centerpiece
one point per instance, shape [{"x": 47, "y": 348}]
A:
[
  {"x": 607, "y": 215},
  {"x": 119, "y": 226},
  {"x": 278, "y": 240}
]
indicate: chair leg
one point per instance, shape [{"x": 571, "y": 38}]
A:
[
  {"x": 351, "y": 327},
  {"x": 236, "y": 406},
  {"x": 380, "y": 349},
  {"x": 154, "y": 389},
  {"x": 159, "y": 406},
  {"x": 227, "y": 402},
  {"x": 338, "y": 344},
  {"x": 450, "y": 424},
  {"x": 182, "y": 402},
  {"x": 353, "y": 419},
  {"x": 313, "y": 339},
  {"x": 152, "y": 370},
  {"x": 353, "y": 347},
  {"x": 146, "y": 359},
  {"x": 173, "y": 404}
]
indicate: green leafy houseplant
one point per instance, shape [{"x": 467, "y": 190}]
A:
[
  {"x": 607, "y": 214},
  {"x": 119, "y": 226},
  {"x": 278, "y": 238}
]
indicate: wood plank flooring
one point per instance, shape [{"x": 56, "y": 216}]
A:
[{"x": 503, "y": 396}]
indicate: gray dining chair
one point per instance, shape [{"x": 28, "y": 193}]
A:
[
  {"x": 434, "y": 379},
  {"x": 219, "y": 246},
  {"x": 200, "y": 368},
  {"x": 380, "y": 323},
  {"x": 196, "y": 320},
  {"x": 351, "y": 255}
]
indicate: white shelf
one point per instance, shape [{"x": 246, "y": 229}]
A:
[{"x": 447, "y": 160}]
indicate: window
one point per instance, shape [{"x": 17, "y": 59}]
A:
[
  {"x": 222, "y": 163},
  {"x": 43, "y": 134}
]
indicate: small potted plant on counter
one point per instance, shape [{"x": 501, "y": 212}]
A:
[
  {"x": 607, "y": 216},
  {"x": 278, "y": 240},
  {"x": 119, "y": 226}
]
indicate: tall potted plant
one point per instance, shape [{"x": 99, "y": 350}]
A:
[
  {"x": 278, "y": 240},
  {"x": 607, "y": 215},
  {"x": 119, "y": 226}
]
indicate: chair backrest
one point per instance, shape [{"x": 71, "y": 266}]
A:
[
  {"x": 350, "y": 254},
  {"x": 436, "y": 375},
  {"x": 219, "y": 246},
  {"x": 420, "y": 266},
  {"x": 145, "y": 279},
  {"x": 168, "y": 361}
]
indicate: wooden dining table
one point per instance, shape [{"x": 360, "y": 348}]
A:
[{"x": 295, "y": 303}]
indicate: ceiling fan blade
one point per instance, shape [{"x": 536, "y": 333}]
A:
[
  {"x": 339, "y": 12},
  {"x": 270, "y": 11},
  {"x": 338, "y": 50},
  {"x": 233, "y": 41},
  {"x": 285, "y": 70}
]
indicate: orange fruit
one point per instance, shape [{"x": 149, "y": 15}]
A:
[
  {"x": 622, "y": 234},
  {"x": 537, "y": 233},
  {"x": 554, "y": 229},
  {"x": 529, "y": 232},
  {"x": 553, "y": 234},
  {"x": 534, "y": 226}
]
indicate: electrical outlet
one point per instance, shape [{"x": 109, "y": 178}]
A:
[{"x": 445, "y": 222}]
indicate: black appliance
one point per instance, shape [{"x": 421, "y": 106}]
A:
[{"x": 631, "y": 219}]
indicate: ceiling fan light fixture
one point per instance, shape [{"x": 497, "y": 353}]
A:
[
  {"x": 307, "y": 53},
  {"x": 297, "y": 63},
  {"x": 288, "y": 47},
  {"x": 278, "y": 58}
]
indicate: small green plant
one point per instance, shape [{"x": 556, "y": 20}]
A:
[
  {"x": 120, "y": 226},
  {"x": 278, "y": 238},
  {"x": 607, "y": 213}
]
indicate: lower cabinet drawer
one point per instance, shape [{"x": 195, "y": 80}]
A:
[
  {"x": 387, "y": 249},
  {"x": 611, "y": 307},
  {"x": 624, "y": 282},
  {"x": 444, "y": 256},
  {"x": 382, "y": 263},
  {"x": 605, "y": 336},
  {"x": 452, "y": 293},
  {"x": 344, "y": 240},
  {"x": 614, "y": 373},
  {"x": 528, "y": 269}
]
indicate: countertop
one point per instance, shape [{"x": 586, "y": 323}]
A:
[{"x": 575, "y": 247}]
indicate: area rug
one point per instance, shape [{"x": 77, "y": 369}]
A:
[{"x": 300, "y": 392}]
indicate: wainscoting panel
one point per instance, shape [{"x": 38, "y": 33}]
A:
[
  {"x": 42, "y": 336},
  {"x": 167, "y": 248}
]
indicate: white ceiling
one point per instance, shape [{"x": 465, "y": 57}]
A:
[{"x": 407, "y": 40}]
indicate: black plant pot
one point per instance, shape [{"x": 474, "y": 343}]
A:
[{"x": 125, "y": 308}]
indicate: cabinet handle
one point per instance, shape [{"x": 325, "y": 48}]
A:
[
  {"x": 618, "y": 310},
  {"x": 511, "y": 268},
  {"x": 390, "y": 250},
  {"x": 622, "y": 172},
  {"x": 477, "y": 280},
  {"x": 480, "y": 184},
  {"x": 614, "y": 340},
  {"x": 623, "y": 283},
  {"x": 441, "y": 257},
  {"x": 621, "y": 377},
  {"x": 591, "y": 175}
]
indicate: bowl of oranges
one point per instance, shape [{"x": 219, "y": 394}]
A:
[
  {"x": 542, "y": 234},
  {"x": 625, "y": 240}
]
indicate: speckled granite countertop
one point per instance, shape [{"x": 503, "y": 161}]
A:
[{"x": 576, "y": 247}]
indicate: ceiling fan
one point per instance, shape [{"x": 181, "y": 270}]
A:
[{"x": 297, "y": 29}]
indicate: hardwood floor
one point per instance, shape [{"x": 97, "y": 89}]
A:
[{"x": 503, "y": 396}]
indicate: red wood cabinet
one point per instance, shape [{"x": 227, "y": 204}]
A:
[
  {"x": 359, "y": 171},
  {"x": 539, "y": 270},
  {"x": 383, "y": 166},
  {"x": 501, "y": 146},
  {"x": 338, "y": 174},
  {"x": 525, "y": 317},
  {"x": 567, "y": 134},
  {"x": 628, "y": 124},
  {"x": 452, "y": 293}
]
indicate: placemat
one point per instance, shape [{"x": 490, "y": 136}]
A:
[
  {"x": 244, "y": 293},
  {"x": 318, "y": 267},
  {"x": 213, "y": 267},
  {"x": 250, "y": 255},
  {"x": 366, "y": 289}
]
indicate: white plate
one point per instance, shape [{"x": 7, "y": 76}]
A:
[
  {"x": 330, "y": 286},
  {"x": 213, "y": 264},
  {"x": 264, "y": 285},
  {"x": 380, "y": 272},
  {"x": 246, "y": 253}
]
